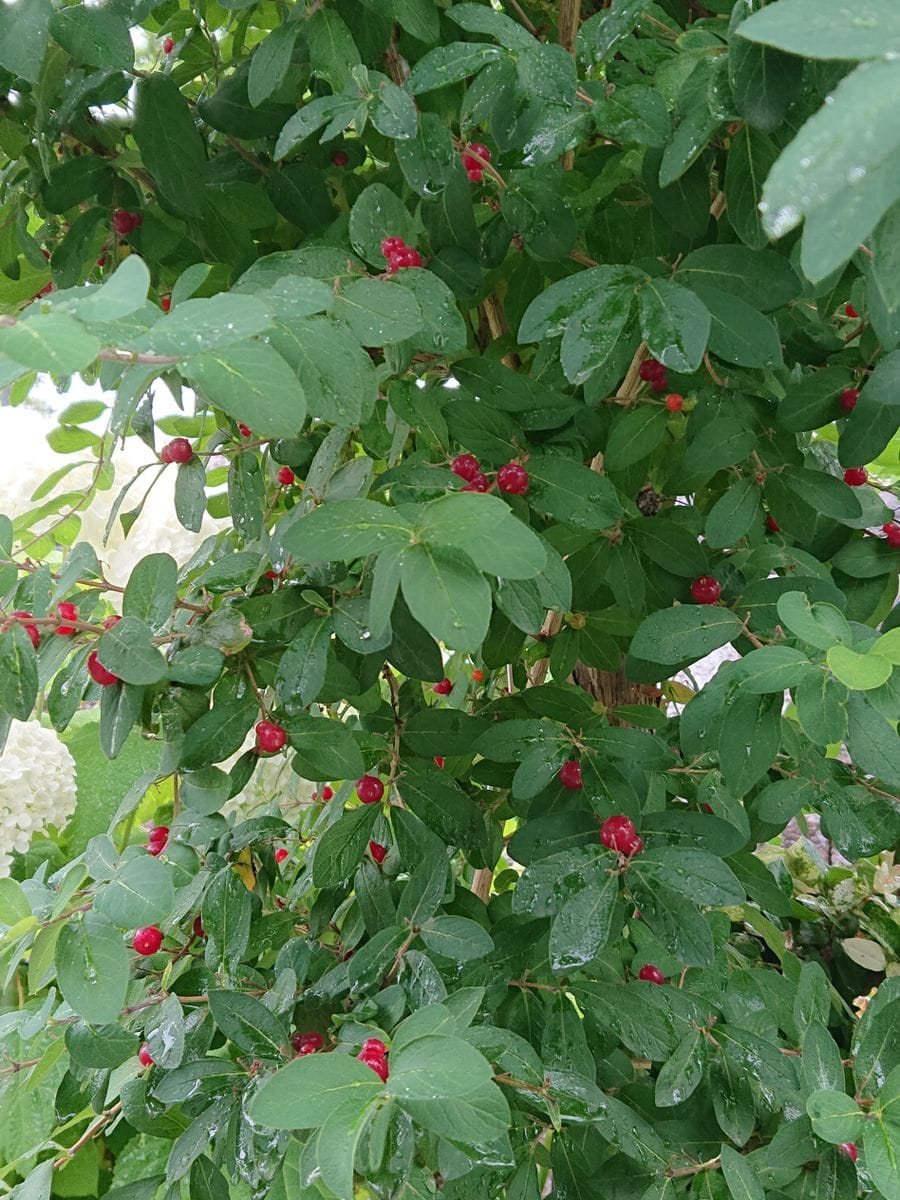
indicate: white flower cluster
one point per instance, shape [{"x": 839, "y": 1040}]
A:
[{"x": 37, "y": 787}]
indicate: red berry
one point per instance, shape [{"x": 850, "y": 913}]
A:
[
  {"x": 849, "y": 1148},
  {"x": 706, "y": 589},
  {"x": 478, "y": 675},
  {"x": 439, "y": 760},
  {"x": 327, "y": 792},
  {"x": 480, "y": 483},
  {"x": 98, "y": 672},
  {"x": 165, "y": 302},
  {"x": 466, "y": 466},
  {"x": 406, "y": 256},
  {"x": 147, "y": 940},
  {"x": 849, "y": 397},
  {"x": 244, "y": 430},
  {"x": 123, "y": 221},
  {"x": 891, "y": 531},
  {"x": 851, "y": 311},
  {"x": 443, "y": 688},
  {"x": 144, "y": 1056},
  {"x": 475, "y": 174},
  {"x": 179, "y": 450},
  {"x": 270, "y": 738},
  {"x": 378, "y": 852},
  {"x": 168, "y": 45},
  {"x": 286, "y": 477},
  {"x": 374, "y": 1046},
  {"x": 307, "y": 1043},
  {"x": 199, "y": 931},
  {"x": 32, "y": 630},
  {"x": 69, "y": 612},
  {"x": 159, "y": 834},
  {"x": 660, "y": 383},
  {"x": 651, "y": 974},
  {"x": 370, "y": 789},
  {"x": 340, "y": 158},
  {"x": 569, "y": 775},
  {"x": 101, "y": 261},
  {"x": 634, "y": 846},
  {"x": 377, "y": 1062},
  {"x": 513, "y": 479},
  {"x": 772, "y": 523},
  {"x": 281, "y": 854},
  {"x": 617, "y": 833},
  {"x": 856, "y": 476},
  {"x": 650, "y": 369},
  {"x": 111, "y": 621},
  {"x": 391, "y": 245},
  {"x": 674, "y": 402}
]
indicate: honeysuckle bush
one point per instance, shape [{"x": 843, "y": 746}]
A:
[{"x": 622, "y": 396}]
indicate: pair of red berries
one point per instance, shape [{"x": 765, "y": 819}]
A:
[
  {"x": 654, "y": 373},
  {"x": 399, "y": 255},
  {"x": 370, "y": 789},
  {"x": 123, "y": 221},
  {"x": 179, "y": 450},
  {"x": 286, "y": 477},
  {"x": 157, "y": 839},
  {"x": 270, "y": 738},
  {"x": 34, "y": 634},
  {"x": 475, "y": 155},
  {"x": 569, "y": 775},
  {"x": 147, "y": 940},
  {"x": 443, "y": 687},
  {"x": 512, "y": 478},
  {"x": 378, "y": 852},
  {"x": 618, "y": 833},
  {"x": 706, "y": 589},
  {"x": 98, "y": 672},
  {"x": 374, "y": 1055},
  {"x": 67, "y": 612},
  {"x": 306, "y": 1043}
]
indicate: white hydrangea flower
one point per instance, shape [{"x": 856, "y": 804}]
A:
[{"x": 37, "y": 787}]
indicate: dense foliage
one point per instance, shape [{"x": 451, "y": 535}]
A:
[{"x": 621, "y": 392}]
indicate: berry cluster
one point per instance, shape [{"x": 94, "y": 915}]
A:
[
  {"x": 399, "y": 255},
  {"x": 124, "y": 222},
  {"x": 512, "y": 478},
  {"x": 157, "y": 839},
  {"x": 475, "y": 155},
  {"x": 618, "y": 833},
  {"x": 374, "y": 1055},
  {"x": 654, "y": 373},
  {"x": 179, "y": 450},
  {"x": 306, "y": 1043}
]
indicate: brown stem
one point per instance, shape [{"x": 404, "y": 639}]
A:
[
  {"x": 711, "y": 1164},
  {"x": 481, "y": 883},
  {"x": 398, "y": 957},
  {"x": 511, "y": 1081},
  {"x": 89, "y": 1134}
]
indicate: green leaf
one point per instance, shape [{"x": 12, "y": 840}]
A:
[
  {"x": 249, "y": 1024},
  {"x": 127, "y": 650},
  {"x": 18, "y": 673},
  {"x": 393, "y": 112},
  {"x": 835, "y": 1117},
  {"x": 675, "y": 324},
  {"x": 340, "y": 848},
  {"x": 305, "y": 1093},
  {"x": 740, "y": 1176},
  {"x": 696, "y": 874},
  {"x": 171, "y": 147},
  {"x": 875, "y": 419},
  {"x": 881, "y": 1152},
  {"x": 225, "y": 915},
  {"x": 738, "y": 333},
  {"x": 772, "y": 669},
  {"x": 332, "y": 50},
  {"x": 14, "y": 906},
  {"x": 457, "y": 938},
  {"x": 23, "y": 37},
  {"x": 449, "y": 64},
  {"x": 750, "y": 159},
  {"x": 635, "y": 434},
  {"x": 761, "y": 278},
  {"x": 378, "y": 312},
  {"x": 447, "y": 594},
  {"x": 301, "y": 671},
  {"x": 437, "y": 1067},
  {"x": 377, "y": 208},
  {"x": 345, "y": 529},
  {"x": 734, "y": 514},
  {"x": 324, "y": 749},
  {"x": 860, "y": 672},
  {"x": 822, "y": 1067},
  {"x": 821, "y": 625},
  {"x": 141, "y": 892},
  {"x": 872, "y": 741},
  {"x": 582, "y": 926},
  {"x": 97, "y": 37},
  {"x": 151, "y": 590},
  {"x": 253, "y": 384},
  {"x": 680, "y": 1074},
  {"x": 92, "y": 967},
  {"x": 634, "y": 113},
  {"x": 439, "y": 802},
  {"x": 571, "y": 492},
  {"x": 337, "y": 1144},
  {"x": 870, "y": 30},
  {"x": 686, "y": 632},
  {"x": 124, "y": 293},
  {"x": 217, "y": 734},
  {"x": 485, "y": 528},
  {"x": 49, "y": 342},
  {"x": 271, "y": 62}
]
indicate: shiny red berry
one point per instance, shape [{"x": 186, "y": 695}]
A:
[
  {"x": 307, "y": 1043},
  {"x": 674, "y": 402},
  {"x": 849, "y": 1148},
  {"x": 856, "y": 476},
  {"x": 892, "y": 532},
  {"x": 651, "y": 974},
  {"x": 370, "y": 789},
  {"x": 168, "y": 45},
  {"x": 147, "y": 940},
  {"x": 443, "y": 687},
  {"x": 391, "y": 245},
  {"x": 327, "y": 792},
  {"x": 478, "y": 675},
  {"x": 68, "y": 612},
  {"x": 851, "y": 311},
  {"x": 374, "y": 1046},
  {"x": 165, "y": 303},
  {"x": 634, "y": 846},
  {"x": 706, "y": 589},
  {"x": 406, "y": 256},
  {"x": 569, "y": 775},
  {"x": 378, "y": 852},
  {"x": 244, "y": 430},
  {"x": 475, "y": 174},
  {"x": 849, "y": 397},
  {"x": 111, "y": 621},
  {"x": 98, "y": 672},
  {"x": 466, "y": 466},
  {"x": 179, "y": 450},
  {"x": 377, "y": 1063},
  {"x": 286, "y": 476},
  {"x": 513, "y": 479},
  {"x": 199, "y": 931},
  {"x": 660, "y": 383},
  {"x": 270, "y": 738},
  {"x": 480, "y": 483},
  {"x": 123, "y": 221},
  {"x": 772, "y": 523},
  {"x": 281, "y": 854},
  {"x": 617, "y": 833},
  {"x": 33, "y": 632},
  {"x": 145, "y": 1058},
  {"x": 159, "y": 834},
  {"x": 340, "y": 158},
  {"x": 650, "y": 369}
]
